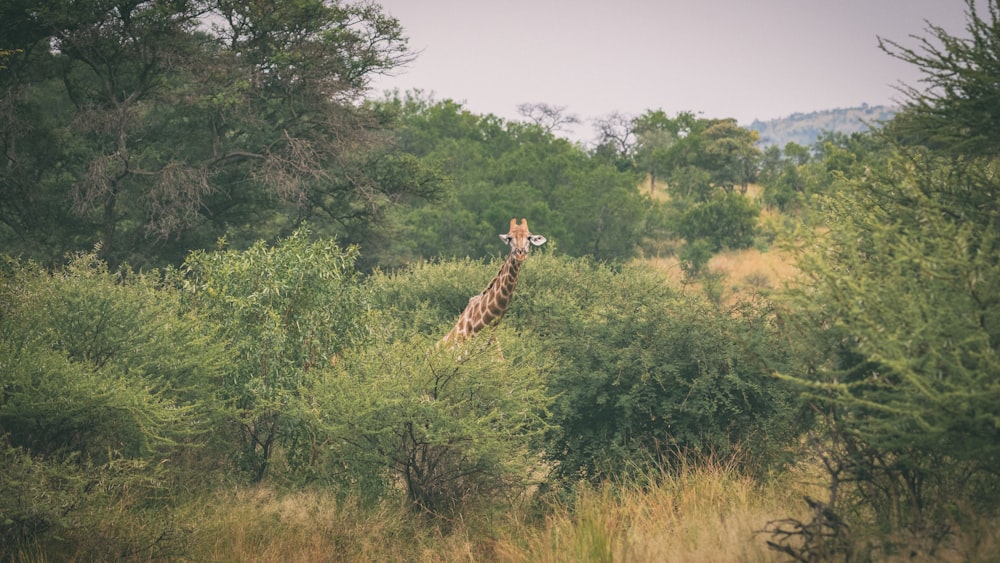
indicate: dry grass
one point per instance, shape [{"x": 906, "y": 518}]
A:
[
  {"x": 740, "y": 272},
  {"x": 704, "y": 513},
  {"x": 751, "y": 269},
  {"x": 260, "y": 525}
]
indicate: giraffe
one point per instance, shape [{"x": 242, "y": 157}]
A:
[{"x": 487, "y": 308}]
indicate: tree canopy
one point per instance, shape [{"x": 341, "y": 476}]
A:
[{"x": 152, "y": 127}]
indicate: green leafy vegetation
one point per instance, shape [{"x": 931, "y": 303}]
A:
[{"x": 227, "y": 274}]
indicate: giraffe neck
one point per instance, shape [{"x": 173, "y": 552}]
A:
[{"x": 488, "y": 307}]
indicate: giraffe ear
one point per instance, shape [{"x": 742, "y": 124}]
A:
[
  {"x": 537, "y": 240},
  {"x": 506, "y": 238}
]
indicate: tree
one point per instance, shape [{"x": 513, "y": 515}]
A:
[
  {"x": 899, "y": 320},
  {"x": 455, "y": 435},
  {"x": 727, "y": 220},
  {"x": 616, "y": 140},
  {"x": 162, "y": 127},
  {"x": 550, "y": 118},
  {"x": 642, "y": 370},
  {"x": 953, "y": 111},
  {"x": 731, "y": 154},
  {"x": 500, "y": 169},
  {"x": 897, "y": 315},
  {"x": 656, "y": 133},
  {"x": 107, "y": 401},
  {"x": 101, "y": 364}
]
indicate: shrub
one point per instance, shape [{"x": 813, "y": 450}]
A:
[
  {"x": 104, "y": 399},
  {"x": 451, "y": 434},
  {"x": 726, "y": 220},
  {"x": 287, "y": 311},
  {"x": 644, "y": 370}
]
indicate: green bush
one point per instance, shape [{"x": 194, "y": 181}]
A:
[
  {"x": 104, "y": 405},
  {"x": 644, "y": 370},
  {"x": 898, "y": 326},
  {"x": 287, "y": 311},
  {"x": 726, "y": 220},
  {"x": 101, "y": 365},
  {"x": 454, "y": 435}
]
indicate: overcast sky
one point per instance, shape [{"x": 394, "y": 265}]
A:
[{"x": 748, "y": 59}]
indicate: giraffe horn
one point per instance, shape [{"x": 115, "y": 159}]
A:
[
  {"x": 513, "y": 223},
  {"x": 524, "y": 223}
]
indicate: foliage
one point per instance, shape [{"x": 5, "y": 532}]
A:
[
  {"x": 103, "y": 380},
  {"x": 727, "y": 220},
  {"x": 167, "y": 124},
  {"x": 898, "y": 327},
  {"x": 638, "y": 369},
  {"x": 54, "y": 509},
  {"x": 454, "y": 435},
  {"x": 101, "y": 365},
  {"x": 499, "y": 170},
  {"x": 287, "y": 310},
  {"x": 897, "y": 321},
  {"x": 952, "y": 112},
  {"x": 907, "y": 278},
  {"x": 655, "y": 135},
  {"x": 791, "y": 177},
  {"x": 644, "y": 370}
]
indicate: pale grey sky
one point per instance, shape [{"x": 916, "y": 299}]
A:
[{"x": 723, "y": 58}]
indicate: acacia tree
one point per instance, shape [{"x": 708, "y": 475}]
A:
[
  {"x": 953, "y": 111},
  {"x": 106, "y": 404},
  {"x": 453, "y": 434},
  {"x": 550, "y": 118},
  {"x": 163, "y": 119},
  {"x": 898, "y": 315},
  {"x": 731, "y": 154}
]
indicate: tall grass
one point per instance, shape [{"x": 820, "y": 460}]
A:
[
  {"x": 703, "y": 512},
  {"x": 262, "y": 525}
]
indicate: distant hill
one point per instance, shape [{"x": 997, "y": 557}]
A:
[{"x": 805, "y": 128}]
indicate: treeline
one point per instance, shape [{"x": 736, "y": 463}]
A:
[
  {"x": 226, "y": 267},
  {"x": 148, "y": 131}
]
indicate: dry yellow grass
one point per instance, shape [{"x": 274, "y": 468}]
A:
[
  {"x": 707, "y": 512},
  {"x": 740, "y": 272},
  {"x": 753, "y": 269},
  {"x": 260, "y": 525}
]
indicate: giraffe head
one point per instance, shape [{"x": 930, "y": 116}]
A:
[{"x": 520, "y": 239}]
